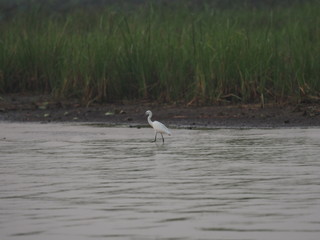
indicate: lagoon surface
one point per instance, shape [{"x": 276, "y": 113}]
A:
[{"x": 73, "y": 181}]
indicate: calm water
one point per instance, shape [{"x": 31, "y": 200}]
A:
[{"x": 62, "y": 181}]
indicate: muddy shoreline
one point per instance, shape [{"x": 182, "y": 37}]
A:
[{"x": 44, "y": 109}]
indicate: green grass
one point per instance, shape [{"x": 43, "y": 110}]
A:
[{"x": 164, "y": 52}]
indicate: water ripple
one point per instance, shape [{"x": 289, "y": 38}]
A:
[{"x": 84, "y": 182}]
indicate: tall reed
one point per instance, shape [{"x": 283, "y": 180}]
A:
[{"x": 164, "y": 52}]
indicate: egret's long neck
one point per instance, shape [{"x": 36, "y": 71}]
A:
[{"x": 149, "y": 120}]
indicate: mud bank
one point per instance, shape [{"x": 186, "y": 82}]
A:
[{"x": 45, "y": 109}]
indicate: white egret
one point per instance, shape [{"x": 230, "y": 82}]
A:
[{"x": 157, "y": 126}]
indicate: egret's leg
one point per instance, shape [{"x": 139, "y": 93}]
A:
[
  {"x": 155, "y": 138},
  {"x": 162, "y": 137}
]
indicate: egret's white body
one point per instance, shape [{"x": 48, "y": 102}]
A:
[{"x": 157, "y": 126}]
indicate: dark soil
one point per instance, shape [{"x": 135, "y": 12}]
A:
[{"x": 46, "y": 109}]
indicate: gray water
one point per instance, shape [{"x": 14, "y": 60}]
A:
[{"x": 60, "y": 181}]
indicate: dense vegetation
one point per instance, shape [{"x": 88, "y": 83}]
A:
[{"x": 165, "y": 52}]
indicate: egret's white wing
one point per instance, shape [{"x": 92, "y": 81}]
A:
[{"x": 160, "y": 128}]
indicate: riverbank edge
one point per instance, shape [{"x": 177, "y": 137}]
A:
[{"x": 27, "y": 108}]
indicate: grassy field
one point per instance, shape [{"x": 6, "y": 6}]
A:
[{"x": 164, "y": 52}]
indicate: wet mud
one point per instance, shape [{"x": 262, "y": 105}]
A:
[{"x": 46, "y": 109}]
